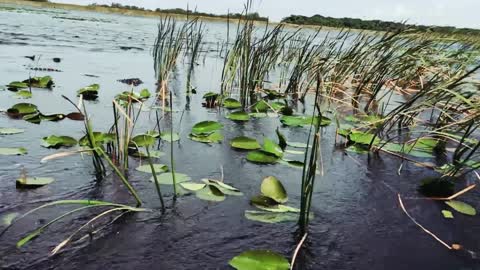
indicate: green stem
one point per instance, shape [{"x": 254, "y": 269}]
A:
[
  {"x": 172, "y": 163},
  {"x": 157, "y": 185}
]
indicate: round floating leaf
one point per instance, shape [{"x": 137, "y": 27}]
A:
[
  {"x": 270, "y": 217},
  {"x": 10, "y": 131},
  {"x": 462, "y": 207},
  {"x": 264, "y": 201},
  {"x": 206, "y": 127},
  {"x": 261, "y": 157},
  {"x": 215, "y": 137},
  {"x": 23, "y": 109},
  {"x": 159, "y": 168},
  {"x": 40, "y": 82},
  {"x": 363, "y": 138},
  {"x": 239, "y": 116},
  {"x": 224, "y": 188},
  {"x": 211, "y": 193},
  {"x": 260, "y": 260},
  {"x": 231, "y": 103},
  {"x": 143, "y": 140},
  {"x": 277, "y": 106},
  {"x": 271, "y": 187},
  {"x": 271, "y": 147},
  {"x": 34, "y": 118},
  {"x": 167, "y": 178},
  {"x": 300, "y": 120},
  {"x": 144, "y": 94},
  {"x": 54, "y": 141},
  {"x": 170, "y": 137},
  {"x": 14, "y": 86},
  {"x": 33, "y": 182},
  {"x": 153, "y": 133},
  {"x": 192, "y": 186},
  {"x": 261, "y": 106},
  {"x": 246, "y": 143},
  {"x": 13, "y": 151},
  {"x": 25, "y": 94},
  {"x": 90, "y": 92},
  {"x": 153, "y": 154}
]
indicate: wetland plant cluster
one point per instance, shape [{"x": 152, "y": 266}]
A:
[{"x": 407, "y": 95}]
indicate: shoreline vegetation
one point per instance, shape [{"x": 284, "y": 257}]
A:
[{"x": 315, "y": 21}]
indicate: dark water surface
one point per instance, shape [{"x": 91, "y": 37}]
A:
[{"x": 357, "y": 223}]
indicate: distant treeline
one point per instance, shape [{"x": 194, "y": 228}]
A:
[
  {"x": 179, "y": 11},
  {"x": 376, "y": 25}
]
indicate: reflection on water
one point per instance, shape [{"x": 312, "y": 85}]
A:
[{"x": 357, "y": 224}]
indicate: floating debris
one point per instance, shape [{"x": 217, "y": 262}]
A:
[{"x": 131, "y": 81}]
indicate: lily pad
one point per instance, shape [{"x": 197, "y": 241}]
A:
[
  {"x": 261, "y": 106},
  {"x": 39, "y": 82},
  {"x": 34, "y": 118},
  {"x": 89, "y": 92},
  {"x": 144, "y": 94},
  {"x": 167, "y": 178},
  {"x": 300, "y": 120},
  {"x": 279, "y": 208},
  {"x": 224, "y": 188},
  {"x": 261, "y": 157},
  {"x": 22, "y": 109},
  {"x": 54, "y": 141},
  {"x": 159, "y": 168},
  {"x": 270, "y": 217},
  {"x": 239, "y": 116},
  {"x": 271, "y": 187},
  {"x": 277, "y": 106},
  {"x": 143, "y": 140},
  {"x": 260, "y": 260},
  {"x": 462, "y": 207},
  {"x": 99, "y": 137},
  {"x": 206, "y": 127},
  {"x": 10, "y": 131},
  {"x": 211, "y": 193},
  {"x": 231, "y": 103},
  {"x": 271, "y": 147},
  {"x": 25, "y": 94},
  {"x": 14, "y": 86},
  {"x": 215, "y": 137},
  {"x": 13, "y": 151},
  {"x": 244, "y": 142},
  {"x": 170, "y": 137},
  {"x": 33, "y": 182},
  {"x": 192, "y": 186}
]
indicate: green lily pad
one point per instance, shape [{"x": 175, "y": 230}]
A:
[
  {"x": 170, "y": 137},
  {"x": 143, "y": 140},
  {"x": 40, "y": 82},
  {"x": 10, "y": 131},
  {"x": 238, "y": 116},
  {"x": 261, "y": 157},
  {"x": 23, "y": 109},
  {"x": 447, "y": 214},
  {"x": 89, "y": 92},
  {"x": 272, "y": 187},
  {"x": 358, "y": 148},
  {"x": 99, "y": 137},
  {"x": 246, "y": 143},
  {"x": 54, "y": 141},
  {"x": 13, "y": 151},
  {"x": 277, "y": 106},
  {"x": 261, "y": 106},
  {"x": 231, "y": 103},
  {"x": 34, "y": 118},
  {"x": 25, "y": 94},
  {"x": 159, "y": 168},
  {"x": 167, "y": 178},
  {"x": 144, "y": 94},
  {"x": 224, "y": 188},
  {"x": 300, "y": 120},
  {"x": 215, "y": 137},
  {"x": 264, "y": 201},
  {"x": 14, "y": 86},
  {"x": 192, "y": 186},
  {"x": 143, "y": 154},
  {"x": 270, "y": 217},
  {"x": 206, "y": 127},
  {"x": 260, "y": 260},
  {"x": 33, "y": 182},
  {"x": 363, "y": 138},
  {"x": 211, "y": 193},
  {"x": 462, "y": 207},
  {"x": 153, "y": 133},
  {"x": 271, "y": 147}
]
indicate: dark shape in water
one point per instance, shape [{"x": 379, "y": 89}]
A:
[
  {"x": 127, "y": 48},
  {"x": 131, "y": 81},
  {"x": 91, "y": 75},
  {"x": 30, "y": 57},
  {"x": 45, "y": 69},
  {"x": 57, "y": 59},
  {"x": 436, "y": 187}
]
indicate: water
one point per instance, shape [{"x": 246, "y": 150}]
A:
[{"x": 357, "y": 223}]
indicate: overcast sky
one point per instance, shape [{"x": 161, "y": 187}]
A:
[{"x": 460, "y": 13}]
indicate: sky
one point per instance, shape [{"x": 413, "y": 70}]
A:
[{"x": 459, "y": 13}]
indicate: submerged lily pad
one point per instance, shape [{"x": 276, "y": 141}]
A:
[
  {"x": 462, "y": 207},
  {"x": 206, "y": 127},
  {"x": 89, "y": 92},
  {"x": 260, "y": 260},
  {"x": 170, "y": 137},
  {"x": 215, "y": 137},
  {"x": 261, "y": 157},
  {"x": 54, "y": 141},
  {"x": 211, "y": 193},
  {"x": 272, "y": 188},
  {"x": 270, "y": 217},
  {"x": 33, "y": 182},
  {"x": 10, "y": 131},
  {"x": 13, "y": 151},
  {"x": 167, "y": 178},
  {"x": 271, "y": 147},
  {"x": 239, "y": 116},
  {"x": 25, "y": 94},
  {"x": 244, "y": 142},
  {"x": 159, "y": 168},
  {"x": 300, "y": 120}
]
